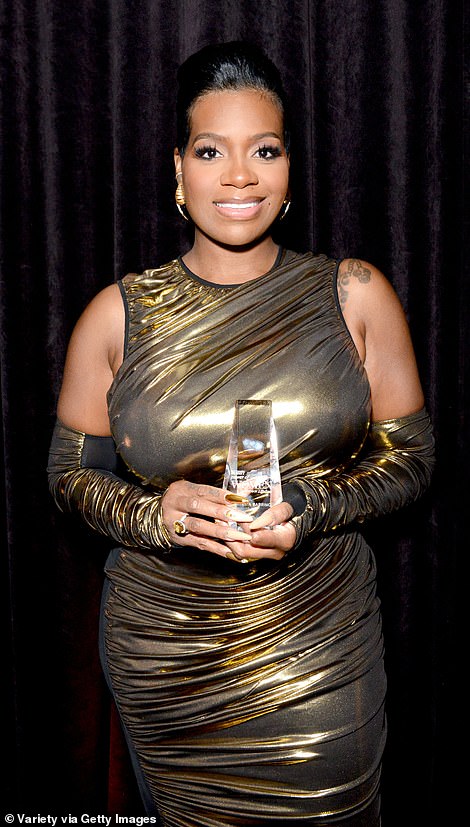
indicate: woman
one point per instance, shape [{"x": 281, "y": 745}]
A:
[{"x": 245, "y": 655}]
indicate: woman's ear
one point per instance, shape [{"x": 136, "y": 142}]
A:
[{"x": 178, "y": 160}]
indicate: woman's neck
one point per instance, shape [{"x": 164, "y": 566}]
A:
[{"x": 230, "y": 265}]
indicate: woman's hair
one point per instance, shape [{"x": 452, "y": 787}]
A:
[{"x": 217, "y": 68}]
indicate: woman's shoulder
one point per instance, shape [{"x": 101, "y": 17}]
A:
[
  {"x": 149, "y": 277},
  {"x": 363, "y": 284},
  {"x": 103, "y": 307},
  {"x": 310, "y": 264}
]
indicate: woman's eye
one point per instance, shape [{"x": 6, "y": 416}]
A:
[
  {"x": 268, "y": 152},
  {"x": 207, "y": 152}
]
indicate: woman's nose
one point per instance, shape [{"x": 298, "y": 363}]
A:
[{"x": 238, "y": 173}]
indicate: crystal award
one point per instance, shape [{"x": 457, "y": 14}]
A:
[{"x": 252, "y": 468}]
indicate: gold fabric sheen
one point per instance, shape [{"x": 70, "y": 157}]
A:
[
  {"x": 107, "y": 503},
  {"x": 399, "y": 449},
  {"x": 252, "y": 694}
]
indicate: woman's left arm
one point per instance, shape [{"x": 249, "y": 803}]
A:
[
  {"x": 377, "y": 324},
  {"x": 396, "y": 463}
]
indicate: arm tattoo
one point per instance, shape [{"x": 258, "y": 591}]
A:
[{"x": 356, "y": 269}]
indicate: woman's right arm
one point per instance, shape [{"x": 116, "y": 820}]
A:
[
  {"x": 82, "y": 459},
  {"x": 94, "y": 355},
  {"x": 83, "y": 462}
]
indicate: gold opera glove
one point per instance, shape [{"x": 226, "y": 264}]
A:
[
  {"x": 82, "y": 479},
  {"x": 393, "y": 469}
]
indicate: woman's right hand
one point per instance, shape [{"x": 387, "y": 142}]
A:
[{"x": 207, "y": 512}]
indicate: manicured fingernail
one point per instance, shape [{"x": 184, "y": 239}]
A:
[
  {"x": 236, "y": 498},
  {"x": 239, "y": 536},
  {"x": 230, "y": 555},
  {"x": 238, "y": 516}
]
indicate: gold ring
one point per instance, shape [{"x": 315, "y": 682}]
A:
[{"x": 180, "y": 526}]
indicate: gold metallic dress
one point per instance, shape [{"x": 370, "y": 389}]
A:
[{"x": 250, "y": 694}]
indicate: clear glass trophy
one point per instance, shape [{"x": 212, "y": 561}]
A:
[{"x": 252, "y": 468}]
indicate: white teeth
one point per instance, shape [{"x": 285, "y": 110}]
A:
[{"x": 236, "y": 205}]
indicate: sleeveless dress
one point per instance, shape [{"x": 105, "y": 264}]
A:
[{"x": 249, "y": 694}]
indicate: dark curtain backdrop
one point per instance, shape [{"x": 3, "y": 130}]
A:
[{"x": 87, "y": 184}]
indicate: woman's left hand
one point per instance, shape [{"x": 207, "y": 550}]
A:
[{"x": 272, "y": 536}]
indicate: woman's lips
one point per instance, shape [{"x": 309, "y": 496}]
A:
[{"x": 239, "y": 209}]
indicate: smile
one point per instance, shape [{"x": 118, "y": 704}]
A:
[
  {"x": 237, "y": 205},
  {"x": 241, "y": 210}
]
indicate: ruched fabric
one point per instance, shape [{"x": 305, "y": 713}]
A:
[
  {"x": 258, "y": 693},
  {"x": 252, "y": 694}
]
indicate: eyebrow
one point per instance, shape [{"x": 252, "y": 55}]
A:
[{"x": 215, "y": 136}]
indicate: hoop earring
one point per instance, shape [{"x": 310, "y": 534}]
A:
[
  {"x": 286, "y": 206},
  {"x": 180, "y": 199},
  {"x": 180, "y": 208}
]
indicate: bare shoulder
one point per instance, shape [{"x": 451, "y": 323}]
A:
[
  {"x": 100, "y": 328},
  {"x": 367, "y": 299},
  {"x": 105, "y": 306},
  {"x": 377, "y": 323},
  {"x": 94, "y": 355},
  {"x": 361, "y": 280}
]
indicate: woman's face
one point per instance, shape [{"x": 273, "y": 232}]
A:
[{"x": 235, "y": 168}]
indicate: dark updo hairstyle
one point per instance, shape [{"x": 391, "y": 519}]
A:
[{"x": 224, "y": 66}]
